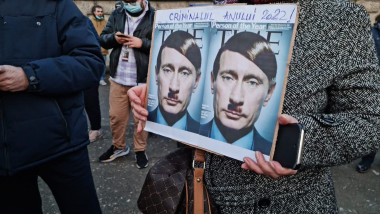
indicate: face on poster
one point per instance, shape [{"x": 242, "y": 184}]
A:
[
  {"x": 242, "y": 83},
  {"x": 176, "y": 75},
  {"x": 263, "y": 104}
]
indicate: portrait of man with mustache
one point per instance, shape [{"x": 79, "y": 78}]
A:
[
  {"x": 242, "y": 82},
  {"x": 178, "y": 72}
]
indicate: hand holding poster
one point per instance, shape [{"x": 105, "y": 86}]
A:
[{"x": 218, "y": 74}]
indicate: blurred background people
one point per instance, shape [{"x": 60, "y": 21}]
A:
[
  {"x": 118, "y": 4},
  {"x": 99, "y": 23},
  {"x": 129, "y": 34},
  {"x": 92, "y": 105}
]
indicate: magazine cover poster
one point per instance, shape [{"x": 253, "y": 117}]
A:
[
  {"x": 177, "y": 74},
  {"x": 243, "y": 89},
  {"x": 217, "y": 76}
]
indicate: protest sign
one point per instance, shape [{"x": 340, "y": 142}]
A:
[{"x": 217, "y": 76}]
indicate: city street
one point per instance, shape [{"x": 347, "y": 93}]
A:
[{"x": 118, "y": 183}]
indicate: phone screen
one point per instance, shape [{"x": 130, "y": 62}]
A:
[
  {"x": 289, "y": 145},
  {"x": 121, "y": 35}
]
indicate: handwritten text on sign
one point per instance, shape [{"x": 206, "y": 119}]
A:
[{"x": 276, "y": 13}]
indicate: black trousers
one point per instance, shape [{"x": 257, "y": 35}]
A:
[
  {"x": 92, "y": 106},
  {"x": 69, "y": 178}
]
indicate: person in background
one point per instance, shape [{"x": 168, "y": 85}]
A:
[
  {"x": 333, "y": 91},
  {"x": 118, "y": 4},
  {"x": 92, "y": 105},
  {"x": 129, "y": 34},
  {"x": 366, "y": 161},
  {"x": 99, "y": 23},
  {"x": 48, "y": 57}
]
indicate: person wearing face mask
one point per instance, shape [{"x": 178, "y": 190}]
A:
[
  {"x": 129, "y": 33},
  {"x": 91, "y": 95},
  {"x": 99, "y": 23}
]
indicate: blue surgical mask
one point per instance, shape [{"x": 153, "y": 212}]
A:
[
  {"x": 99, "y": 18},
  {"x": 133, "y": 7}
]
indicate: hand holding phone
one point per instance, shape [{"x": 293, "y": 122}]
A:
[
  {"x": 121, "y": 35},
  {"x": 121, "y": 38},
  {"x": 289, "y": 145}
]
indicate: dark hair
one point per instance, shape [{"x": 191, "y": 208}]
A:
[
  {"x": 184, "y": 43},
  {"x": 377, "y": 19},
  {"x": 94, "y": 8},
  {"x": 255, "y": 48}
]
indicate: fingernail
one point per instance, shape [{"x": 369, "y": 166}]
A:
[
  {"x": 245, "y": 160},
  {"x": 257, "y": 155}
]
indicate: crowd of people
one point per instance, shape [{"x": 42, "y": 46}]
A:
[{"x": 50, "y": 79}]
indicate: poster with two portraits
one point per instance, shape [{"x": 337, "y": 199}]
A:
[{"x": 217, "y": 76}]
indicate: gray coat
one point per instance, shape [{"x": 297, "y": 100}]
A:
[{"x": 334, "y": 91}]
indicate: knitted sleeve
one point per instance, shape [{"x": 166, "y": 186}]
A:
[{"x": 348, "y": 128}]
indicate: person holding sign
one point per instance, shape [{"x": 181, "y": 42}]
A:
[
  {"x": 333, "y": 91},
  {"x": 178, "y": 71},
  {"x": 241, "y": 90}
]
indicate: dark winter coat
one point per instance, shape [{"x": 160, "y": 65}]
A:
[{"x": 52, "y": 42}]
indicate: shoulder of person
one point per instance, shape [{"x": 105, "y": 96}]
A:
[
  {"x": 340, "y": 12},
  {"x": 152, "y": 9},
  {"x": 118, "y": 11},
  {"x": 343, "y": 7}
]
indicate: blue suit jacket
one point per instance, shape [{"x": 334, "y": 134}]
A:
[
  {"x": 191, "y": 124},
  {"x": 259, "y": 143}
]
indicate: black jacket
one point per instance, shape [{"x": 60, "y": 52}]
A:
[
  {"x": 52, "y": 42},
  {"x": 116, "y": 23}
]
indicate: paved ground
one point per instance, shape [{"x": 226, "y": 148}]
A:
[{"x": 118, "y": 183}]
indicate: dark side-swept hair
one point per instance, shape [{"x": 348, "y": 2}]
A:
[
  {"x": 94, "y": 8},
  {"x": 184, "y": 43},
  {"x": 253, "y": 47}
]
